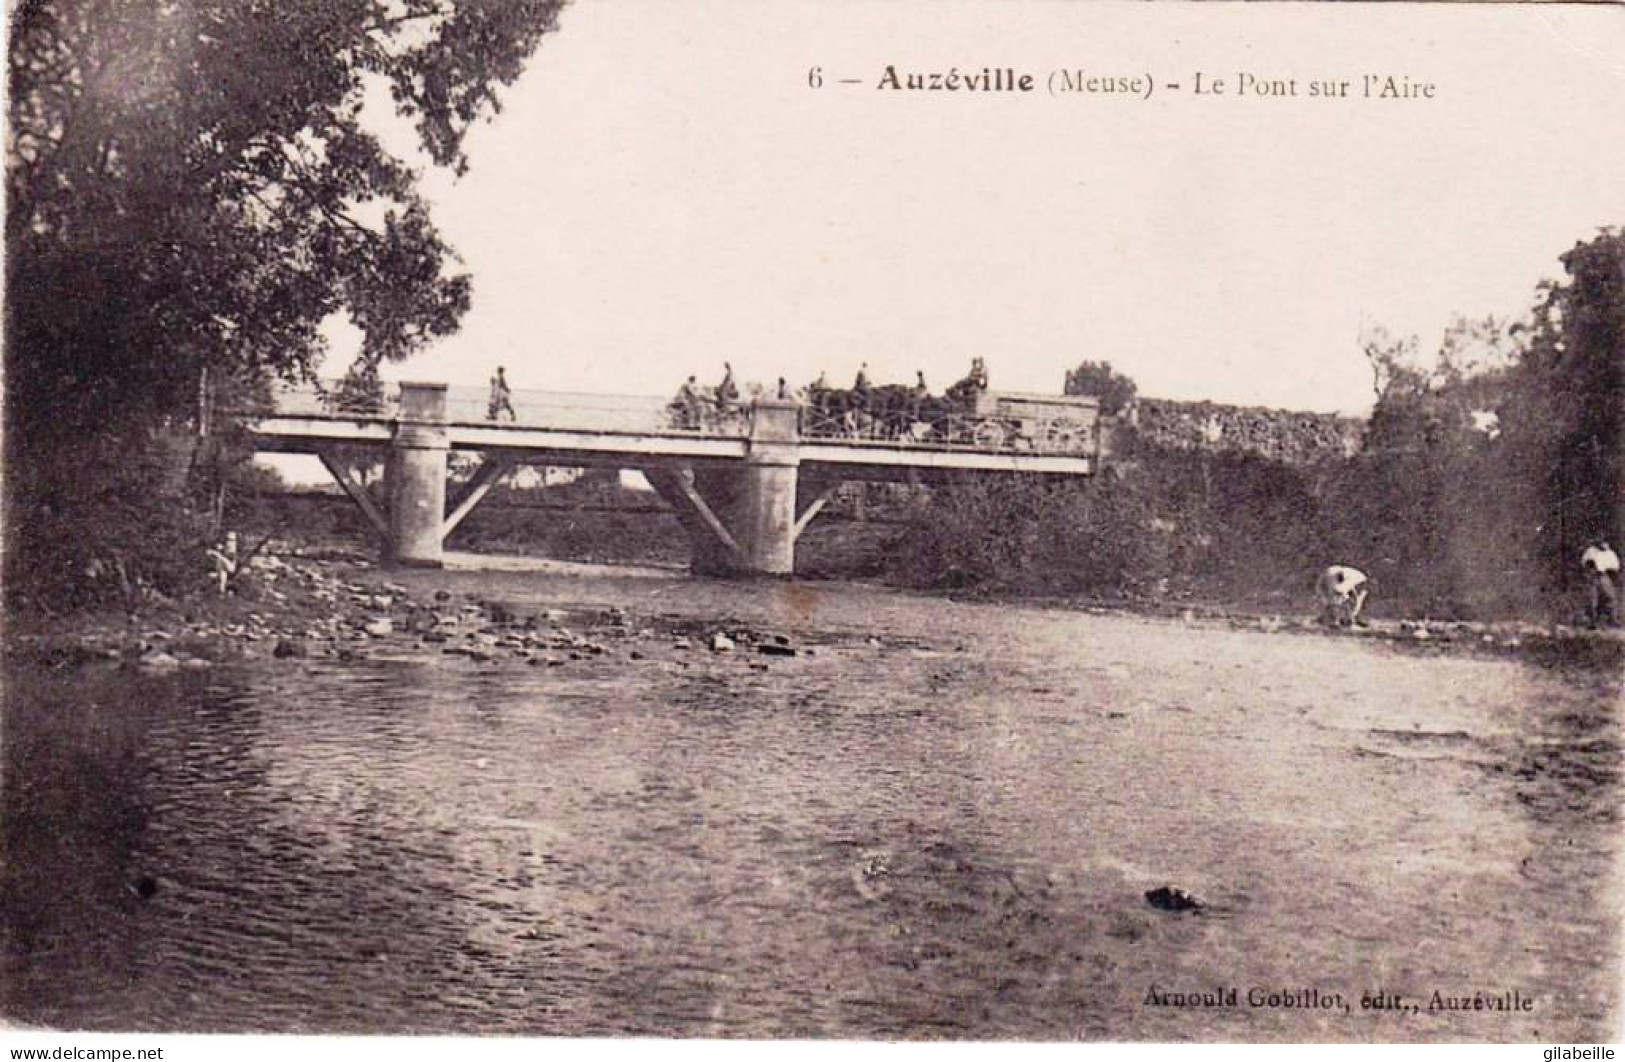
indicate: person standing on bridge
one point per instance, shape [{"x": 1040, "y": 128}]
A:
[
  {"x": 501, "y": 397},
  {"x": 1342, "y": 591},
  {"x": 688, "y": 405},
  {"x": 918, "y": 395},
  {"x": 1601, "y": 566},
  {"x": 727, "y": 390},
  {"x": 856, "y": 418}
]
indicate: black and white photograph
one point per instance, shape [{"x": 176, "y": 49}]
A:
[{"x": 848, "y": 521}]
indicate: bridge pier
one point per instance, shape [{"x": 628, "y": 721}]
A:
[
  {"x": 765, "y": 514},
  {"x": 415, "y": 477},
  {"x": 742, "y": 520}
]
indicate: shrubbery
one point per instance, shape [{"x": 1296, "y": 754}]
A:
[
  {"x": 1481, "y": 475},
  {"x": 1025, "y": 534}
]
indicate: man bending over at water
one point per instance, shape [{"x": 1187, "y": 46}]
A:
[
  {"x": 1601, "y": 566},
  {"x": 1342, "y": 592}
]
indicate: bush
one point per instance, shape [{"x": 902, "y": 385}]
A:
[
  {"x": 1026, "y": 534},
  {"x": 106, "y": 523}
]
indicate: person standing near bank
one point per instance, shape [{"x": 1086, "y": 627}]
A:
[
  {"x": 1601, "y": 566},
  {"x": 501, "y": 397},
  {"x": 1342, "y": 591}
]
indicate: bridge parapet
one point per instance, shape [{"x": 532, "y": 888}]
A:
[
  {"x": 422, "y": 403},
  {"x": 997, "y": 423},
  {"x": 532, "y": 408}
]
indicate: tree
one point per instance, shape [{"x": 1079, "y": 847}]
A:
[
  {"x": 1097, "y": 378},
  {"x": 1566, "y": 421},
  {"x": 1499, "y": 455},
  {"x": 191, "y": 187}
]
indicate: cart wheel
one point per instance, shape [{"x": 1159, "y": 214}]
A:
[
  {"x": 1063, "y": 440},
  {"x": 990, "y": 433}
]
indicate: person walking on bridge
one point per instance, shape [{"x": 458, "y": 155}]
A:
[
  {"x": 1342, "y": 591},
  {"x": 1601, "y": 566},
  {"x": 501, "y": 398}
]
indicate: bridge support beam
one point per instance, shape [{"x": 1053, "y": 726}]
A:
[
  {"x": 742, "y": 520},
  {"x": 415, "y": 477},
  {"x": 490, "y": 472}
]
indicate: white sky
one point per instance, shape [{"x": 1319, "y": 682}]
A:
[{"x": 663, "y": 191}]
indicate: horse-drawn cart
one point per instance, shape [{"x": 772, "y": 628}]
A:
[{"x": 968, "y": 415}]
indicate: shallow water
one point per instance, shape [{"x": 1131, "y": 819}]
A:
[{"x": 946, "y": 834}]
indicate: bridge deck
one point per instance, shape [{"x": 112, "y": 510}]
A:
[{"x": 635, "y": 431}]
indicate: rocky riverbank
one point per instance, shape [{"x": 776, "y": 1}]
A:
[
  {"x": 346, "y": 608},
  {"x": 341, "y": 606}
]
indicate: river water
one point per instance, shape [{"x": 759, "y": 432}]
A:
[{"x": 941, "y": 824}]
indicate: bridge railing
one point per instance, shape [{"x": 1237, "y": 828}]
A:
[
  {"x": 525, "y": 408},
  {"x": 955, "y": 431},
  {"x": 933, "y": 428}
]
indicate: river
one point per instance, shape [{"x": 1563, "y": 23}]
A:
[{"x": 941, "y": 823}]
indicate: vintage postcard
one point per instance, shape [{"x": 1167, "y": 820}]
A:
[{"x": 856, "y": 521}]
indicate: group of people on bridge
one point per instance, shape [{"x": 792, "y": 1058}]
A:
[{"x": 890, "y": 411}]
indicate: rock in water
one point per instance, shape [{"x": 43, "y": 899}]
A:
[
  {"x": 378, "y": 628},
  {"x": 1172, "y": 898},
  {"x": 721, "y": 643}
]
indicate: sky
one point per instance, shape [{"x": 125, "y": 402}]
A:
[{"x": 664, "y": 191}]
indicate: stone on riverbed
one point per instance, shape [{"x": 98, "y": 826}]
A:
[{"x": 1172, "y": 898}]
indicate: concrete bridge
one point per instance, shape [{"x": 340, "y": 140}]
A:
[{"x": 745, "y": 486}]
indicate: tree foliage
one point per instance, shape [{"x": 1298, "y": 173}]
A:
[
  {"x": 1566, "y": 427},
  {"x": 1098, "y": 379},
  {"x": 1487, "y": 463},
  {"x": 191, "y": 186}
]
